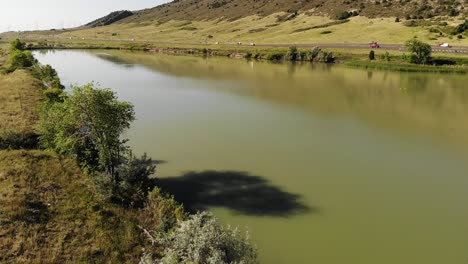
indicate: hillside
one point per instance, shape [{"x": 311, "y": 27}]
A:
[
  {"x": 277, "y": 22},
  {"x": 235, "y": 9},
  {"x": 109, "y": 19}
]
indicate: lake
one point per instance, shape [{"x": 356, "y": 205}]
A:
[{"x": 321, "y": 164}]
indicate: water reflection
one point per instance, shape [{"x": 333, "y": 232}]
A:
[
  {"x": 238, "y": 191},
  {"x": 432, "y": 105}
]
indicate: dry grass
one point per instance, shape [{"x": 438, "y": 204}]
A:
[
  {"x": 20, "y": 95},
  {"x": 49, "y": 213},
  {"x": 258, "y": 30}
]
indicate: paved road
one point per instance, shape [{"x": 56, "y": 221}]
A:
[{"x": 454, "y": 49}]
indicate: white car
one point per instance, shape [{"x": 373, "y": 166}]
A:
[{"x": 444, "y": 45}]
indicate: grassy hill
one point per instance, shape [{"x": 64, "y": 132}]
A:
[
  {"x": 288, "y": 21},
  {"x": 235, "y": 9}
]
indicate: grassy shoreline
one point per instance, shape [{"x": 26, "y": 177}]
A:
[
  {"x": 405, "y": 67},
  {"x": 357, "y": 58}
]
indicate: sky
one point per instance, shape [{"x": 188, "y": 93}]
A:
[{"x": 20, "y": 15}]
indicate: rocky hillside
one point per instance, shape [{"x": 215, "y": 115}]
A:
[
  {"x": 109, "y": 19},
  {"x": 235, "y": 9}
]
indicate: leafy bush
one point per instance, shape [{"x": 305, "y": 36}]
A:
[
  {"x": 202, "y": 239},
  {"x": 132, "y": 183},
  {"x": 420, "y": 51},
  {"x": 161, "y": 212},
  {"x": 87, "y": 125},
  {"x": 461, "y": 28},
  {"x": 371, "y": 55},
  {"x": 313, "y": 54},
  {"x": 275, "y": 56},
  {"x": 48, "y": 75},
  {"x": 54, "y": 94},
  {"x": 21, "y": 59},
  {"x": 293, "y": 54},
  {"x": 326, "y": 57},
  {"x": 344, "y": 15},
  {"x": 17, "y": 45}
]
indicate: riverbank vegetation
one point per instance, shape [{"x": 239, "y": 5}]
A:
[
  {"x": 79, "y": 194},
  {"x": 419, "y": 59}
]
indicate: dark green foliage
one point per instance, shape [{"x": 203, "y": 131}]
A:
[
  {"x": 161, "y": 212},
  {"x": 386, "y": 56},
  {"x": 420, "y": 52},
  {"x": 344, "y": 15},
  {"x": 313, "y": 54},
  {"x": 14, "y": 140},
  {"x": 326, "y": 57},
  {"x": 275, "y": 56},
  {"x": 293, "y": 54},
  {"x": 17, "y": 45},
  {"x": 371, "y": 55},
  {"x": 21, "y": 59},
  {"x": 461, "y": 28},
  {"x": 87, "y": 125},
  {"x": 48, "y": 75},
  {"x": 132, "y": 183}
]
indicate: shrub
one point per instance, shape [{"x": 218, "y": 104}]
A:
[
  {"x": 420, "y": 51},
  {"x": 293, "y": 54},
  {"x": 17, "y": 45},
  {"x": 344, "y": 15},
  {"x": 202, "y": 239},
  {"x": 48, "y": 75},
  {"x": 275, "y": 56},
  {"x": 21, "y": 59},
  {"x": 161, "y": 212},
  {"x": 314, "y": 53},
  {"x": 132, "y": 184},
  {"x": 326, "y": 57},
  {"x": 371, "y": 55},
  {"x": 387, "y": 56},
  {"x": 54, "y": 94}
]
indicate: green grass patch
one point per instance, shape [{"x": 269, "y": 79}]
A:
[{"x": 402, "y": 67}]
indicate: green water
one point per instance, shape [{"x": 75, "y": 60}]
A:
[{"x": 322, "y": 164}]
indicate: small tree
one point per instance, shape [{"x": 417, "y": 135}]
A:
[
  {"x": 371, "y": 55},
  {"x": 420, "y": 51},
  {"x": 87, "y": 125}
]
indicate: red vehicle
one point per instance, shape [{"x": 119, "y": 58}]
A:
[{"x": 374, "y": 45}]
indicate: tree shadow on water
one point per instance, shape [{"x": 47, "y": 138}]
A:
[{"x": 238, "y": 191}]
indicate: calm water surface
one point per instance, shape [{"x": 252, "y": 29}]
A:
[{"x": 321, "y": 164}]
